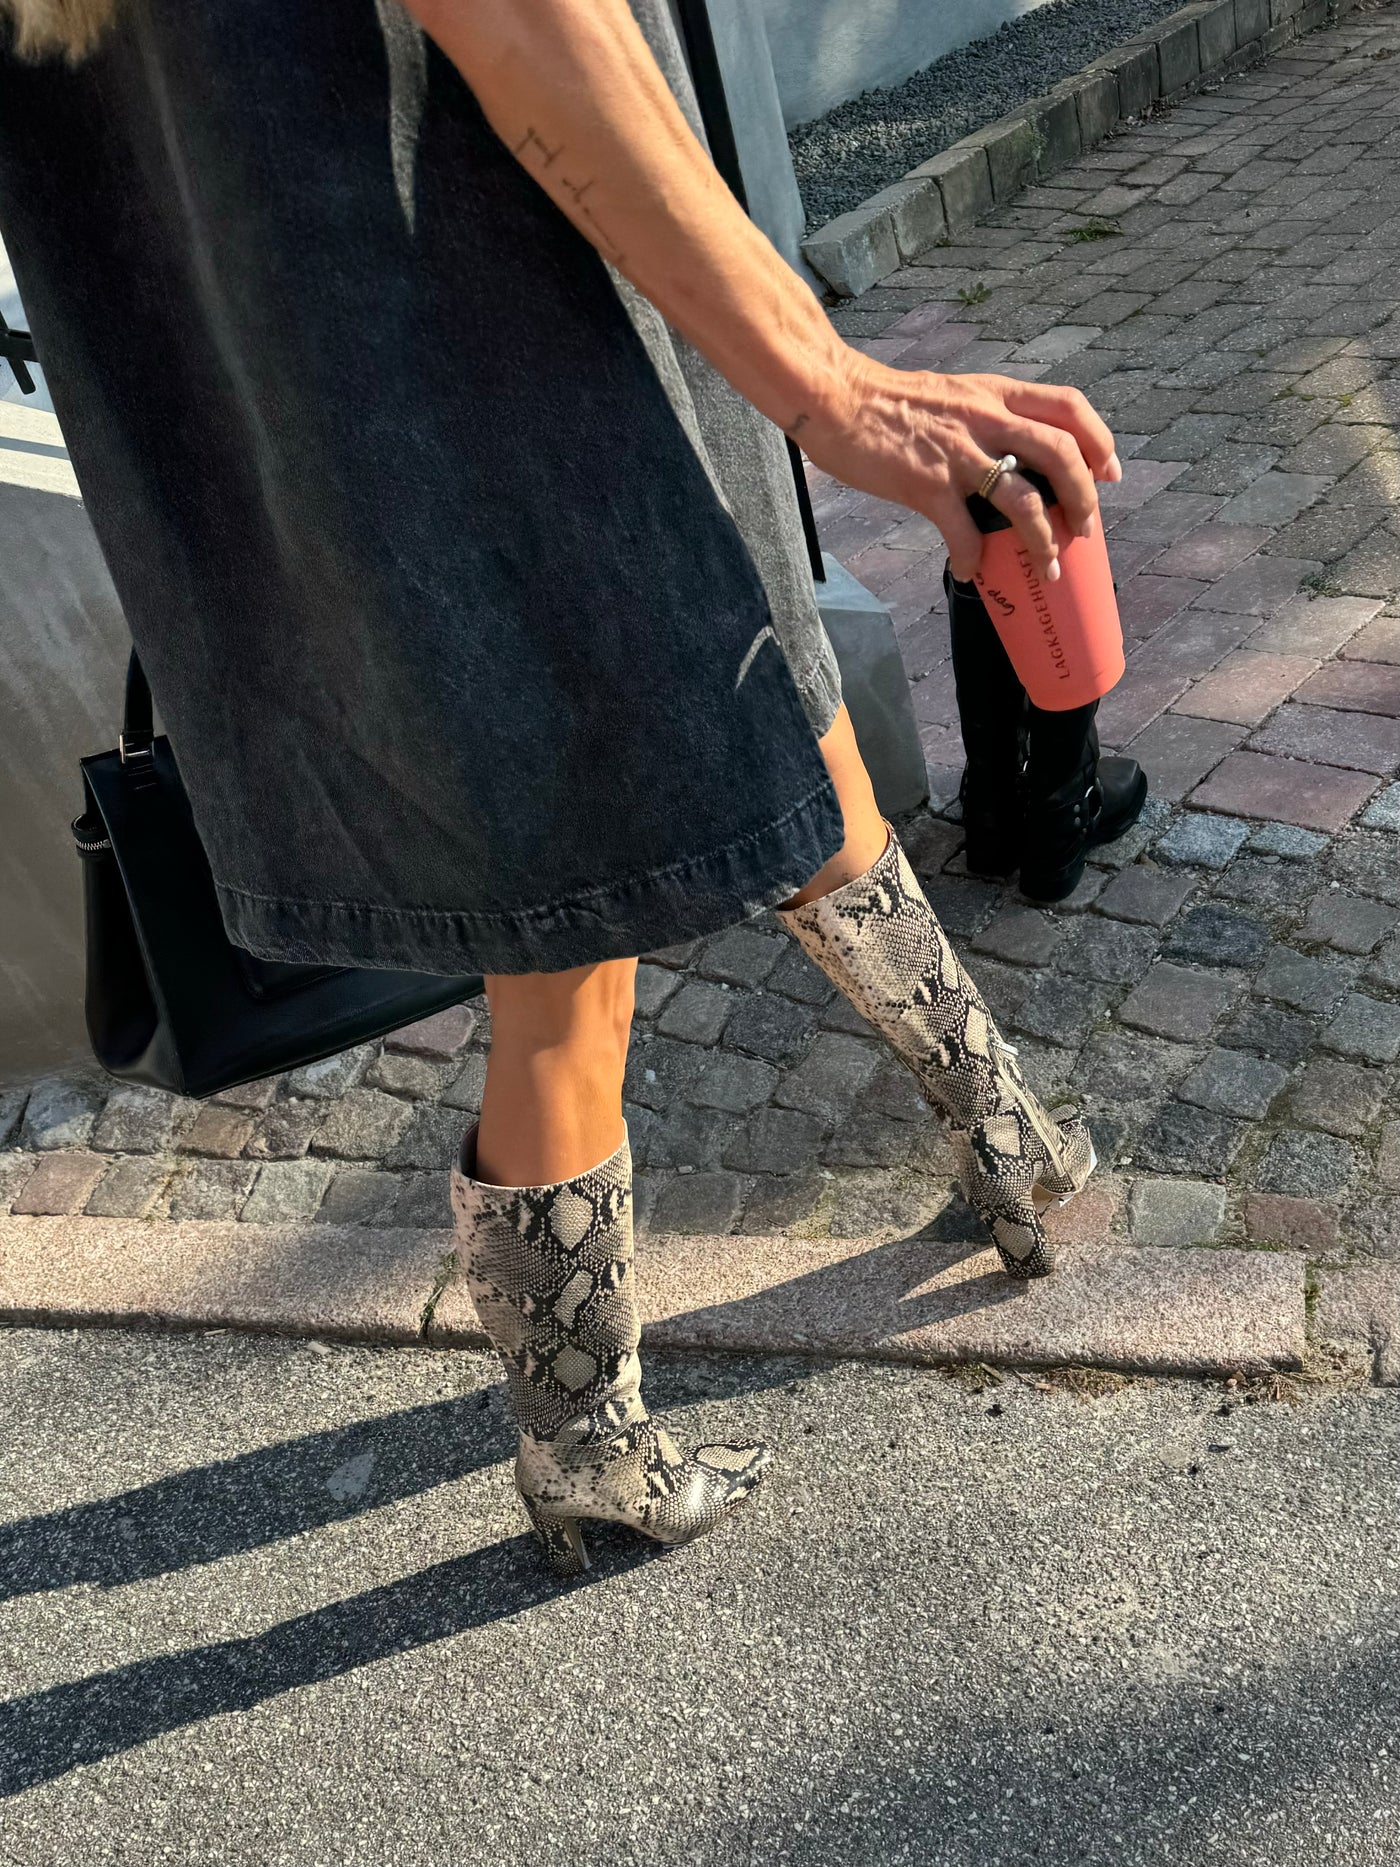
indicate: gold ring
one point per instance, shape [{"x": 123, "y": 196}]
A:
[{"x": 1007, "y": 464}]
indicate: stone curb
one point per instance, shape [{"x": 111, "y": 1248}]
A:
[
  {"x": 1358, "y": 1309},
  {"x": 1135, "y": 1308},
  {"x": 1198, "y": 45}
]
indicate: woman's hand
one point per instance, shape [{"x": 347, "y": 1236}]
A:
[{"x": 927, "y": 441}]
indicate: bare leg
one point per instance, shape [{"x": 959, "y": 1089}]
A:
[{"x": 552, "y": 1106}]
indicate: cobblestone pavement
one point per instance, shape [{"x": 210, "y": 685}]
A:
[{"x": 1222, "y": 994}]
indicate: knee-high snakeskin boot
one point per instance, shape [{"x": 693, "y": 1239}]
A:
[
  {"x": 878, "y": 939},
  {"x": 550, "y": 1272}
]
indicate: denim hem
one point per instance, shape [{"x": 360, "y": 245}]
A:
[{"x": 619, "y": 920}]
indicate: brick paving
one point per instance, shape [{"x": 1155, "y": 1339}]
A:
[{"x": 1222, "y": 993}]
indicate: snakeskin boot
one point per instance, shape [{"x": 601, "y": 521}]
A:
[
  {"x": 878, "y": 939},
  {"x": 550, "y": 1272}
]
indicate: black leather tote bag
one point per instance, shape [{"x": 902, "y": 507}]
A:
[{"x": 170, "y": 1000}]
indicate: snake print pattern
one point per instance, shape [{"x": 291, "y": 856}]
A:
[
  {"x": 878, "y": 939},
  {"x": 550, "y": 1270}
]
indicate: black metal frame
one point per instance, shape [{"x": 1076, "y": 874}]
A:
[
  {"x": 708, "y": 79},
  {"x": 17, "y": 349}
]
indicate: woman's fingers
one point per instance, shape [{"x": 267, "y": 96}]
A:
[
  {"x": 961, "y": 536},
  {"x": 1056, "y": 454},
  {"x": 1055, "y": 405},
  {"x": 1022, "y": 504}
]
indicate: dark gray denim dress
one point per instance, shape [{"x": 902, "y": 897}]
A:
[{"x": 462, "y": 653}]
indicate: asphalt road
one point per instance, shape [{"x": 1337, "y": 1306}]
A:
[{"x": 267, "y": 1603}]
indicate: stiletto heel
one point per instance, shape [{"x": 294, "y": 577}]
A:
[{"x": 560, "y": 1537}]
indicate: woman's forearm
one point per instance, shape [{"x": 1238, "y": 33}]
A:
[{"x": 571, "y": 87}]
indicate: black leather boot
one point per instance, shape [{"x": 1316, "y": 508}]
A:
[
  {"x": 1075, "y": 800},
  {"x": 992, "y": 711}
]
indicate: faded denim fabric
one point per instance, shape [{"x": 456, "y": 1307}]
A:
[{"x": 465, "y": 662}]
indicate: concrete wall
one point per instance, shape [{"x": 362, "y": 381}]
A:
[{"x": 825, "y": 51}]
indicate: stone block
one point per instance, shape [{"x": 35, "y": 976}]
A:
[
  {"x": 698, "y": 1013},
  {"x": 1202, "y": 840},
  {"x": 875, "y": 688},
  {"x": 286, "y": 1190},
  {"x": 778, "y": 1202},
  {"x": 1145, "y": 895},
  {"x": 1174, "y": 1002},
  {"x": 1178, "y": 52},
  {"x": 1286, "y": 790},
  {"x": 1306, "y": 1164},
  {"x": 1063, "y": 1011},
  {"x": 741, "y": 956},
  {"x": 1217, "y": 32},
  {"x": 1336, "y": 1097},
  {"x": 1218, "y": 936},
  {"x": 1348, "y": 922},
  {"x": 1136, "y": 73},
  {"x": 1096, "y": 99},
  {"x": 661, "y": 1071},
  {"x": 1012, "y": 147},
  {"x": 359, "y": 1196},
  {"x": 61, "y": 1182},
  {"x": 1273, "y": 1032},
  {"x": 1383, "y": 812},
  {"x": 734, "y": 1082},
  {"x": 210, "y": 1189},
  {"x": 1024, "y": 936},
  {"x": 329, "y": 1079},
  {"x": 1315, "y": 626},
  {"x": 467, "y": 1085},
  {"x": 431, "y": 1142},
  {"x": 796, "y": 977},
  {"x": 831, "y": 1076},
  {"x": 684, "y": 1136},
  {"x": 865, "y": 1139},
  {"x": 765, "y": 1025},
  {"x": 775, "y": 1141},
  {"x": 1298, "y": 1224},
  {"x": 1175, "y": 1213},
  {"x": 698, "y": 1202},
  {"x": 653, "y": 987},
  {"x": 1362, "y": 742},
  {"x": 442, "y": 1037},
  {"x": 1234, "y": 1083},
  {"x": 425, "y": 1202},
  {"x": 1252, "y": 20},
  {"x": 915, "y": 208},
  {"x": 256, "y": 1095},
  {"x": 61, "y": 1113},
  {"x": 854, "y": 251},
  {"x": 12, "y": 1103},
  {"x": 964, "y": 179},
  {"x": 129, "y": 1188},
  {"x": 1183, "y": 1139},
  {"x": 1245, "y": 688},
  {"x": 408, "y": 1074},
  {"x": 1285, "y": 839},
  {"x": 1177, "y": 752},
  {"x": 363, "y": 1125},
  {"x": 1055, "y": 120},
  {"x": 286, "y": 1131},
  {"x": 219, "y": 1133},
  {"x": 1122, "y": 1065},
  {"x": 136, "y": 1120},
  {"x": 1113, "y": 951},
  {"x": 1307, "y": 984},
  {"x": 1367, "y": 1028}
]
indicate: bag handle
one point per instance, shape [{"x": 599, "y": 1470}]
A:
[{"x": 137, "y": 738}]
